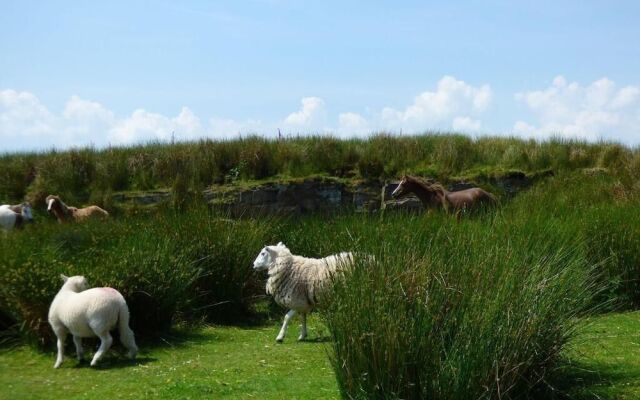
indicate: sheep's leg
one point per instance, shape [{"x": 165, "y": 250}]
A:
[
  {"x": 303, "y": 330},
  {"x": 127, "y": 339},
  {"x": 283, "y": 330},
  {"x": 105, "y": 343},
  {"x": 77, "y": 340},
  {"x": 62, "y": 336}
]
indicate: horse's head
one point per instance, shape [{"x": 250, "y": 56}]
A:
[
  {"x": 76, "y": 283},
  {"x": 53, "y": 201},
  {"x": 403, "y": 188},
  {"x": 267, "y": 256}
]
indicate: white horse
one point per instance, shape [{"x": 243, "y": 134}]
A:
[
  {"x": 88, "y": 313},
  {"x": 15, "y": 216}
]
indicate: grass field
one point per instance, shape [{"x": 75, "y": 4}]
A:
[
  {"x": 213, "y": 362},
  {"x": 243, "y": 363},
  {"x": 604, "y": 360},
  {"x": 499, "y": 305}
]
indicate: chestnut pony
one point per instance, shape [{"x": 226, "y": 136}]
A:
[
  {"x": 65, "y": 213},
  {"x": 433, "y": 195}
]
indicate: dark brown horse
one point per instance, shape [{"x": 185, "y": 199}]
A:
[{"x": 434, "y": 195}]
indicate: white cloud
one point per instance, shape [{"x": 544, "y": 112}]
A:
[
  {"x": 143, "y": 125},
  {"x": 79, "y": 109},
  {"x": 22, "y": 114},
  {"x": 453, "y": 100},
  {"x": 598, "y": 110},
  {"x": 353, "y": 124},
  {"x": 229, "y": 128},
  {"x": 312, "y": 116},
  {"x": 466, "y": 124},
  {"x": 82, "y": 119},
  {"x": 25, "y": 123}
]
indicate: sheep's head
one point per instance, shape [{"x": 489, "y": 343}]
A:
[
  {"x": 26, "y": 212},
  {"x": 267, "y": 256},
  {"x": 76, "y": 283}
]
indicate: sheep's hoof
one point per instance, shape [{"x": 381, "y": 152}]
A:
[
  {"x": 279, "y": 340},
  {"x": 57, "y": 365},
  {"x": 301, "y": 338}
]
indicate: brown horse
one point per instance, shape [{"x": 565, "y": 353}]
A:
[
  {"x": 65, "y": 213},
  {"x": 434, "y": 195}
]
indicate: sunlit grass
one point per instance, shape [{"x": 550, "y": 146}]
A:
[
  {"x": 602, "y": 362},
  {"x": 209, "y": 363}
]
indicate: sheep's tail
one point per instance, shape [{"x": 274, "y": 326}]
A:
[{"x": 126, "y": 334}]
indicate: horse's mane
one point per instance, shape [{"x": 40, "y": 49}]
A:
[{"x": 428, "y": 184}]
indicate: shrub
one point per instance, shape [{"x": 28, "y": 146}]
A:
[
  {"x": 371, "y": 167},
  {"x": 457, "y": 312}
]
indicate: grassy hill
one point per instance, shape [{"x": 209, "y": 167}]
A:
[{"x": 83, "y": 175}]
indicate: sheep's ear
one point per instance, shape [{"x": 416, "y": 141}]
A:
[
  {"x": 273, "y": 250},
  {"x": 64, "y": 277},
  {"x": 280, "y": 244}
]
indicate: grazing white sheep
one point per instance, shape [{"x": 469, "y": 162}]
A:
[
  {"x": 297, "y": 282},
  {"x": 87, "y": 312},
  {"x": 15, "y": 216}
]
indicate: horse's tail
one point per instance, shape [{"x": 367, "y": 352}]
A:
[
  {"x": 126, "y": 334},
  {"x": 494, "y": 199},
  {"x": 489, "y": 200},
  {"x": 101, "y": 212}
]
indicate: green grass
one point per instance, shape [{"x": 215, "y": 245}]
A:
[
  {"x": 603, "y": 362},
  {"x": 604, "y": 359},
  {"x": 427, "y": 319},
  {"x": 209, "y": 363}
]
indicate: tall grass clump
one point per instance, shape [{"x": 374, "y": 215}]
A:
[
  {"x": 457, "y": 311},
  {"x": 605, "y": 215},
  {"x": 171, "y": 266}
]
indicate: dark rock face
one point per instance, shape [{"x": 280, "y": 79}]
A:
[
  {"x": 298, "y": 198},
  {"x": 321, "y": 195},
  {"x": 143, "y": 198}
]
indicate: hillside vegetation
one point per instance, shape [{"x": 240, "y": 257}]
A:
[{"x": 92, "y": 175}]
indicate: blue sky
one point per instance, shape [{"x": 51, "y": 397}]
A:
[{"x": 76, "y": 73}]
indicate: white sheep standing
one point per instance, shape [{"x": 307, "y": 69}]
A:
[
  {"x": 297, "y": 282},
  {"x": 86, "y": 313},
  {"x": 14, "y": 216}
]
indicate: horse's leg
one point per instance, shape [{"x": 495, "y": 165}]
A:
[
  {"x": 283, "y": 330},
  {"x": 77, "y": 340},
  {"x": 61, "y": 334},
  {"x": 303, "y": 330},
  {"x": 105, "y": 343}
]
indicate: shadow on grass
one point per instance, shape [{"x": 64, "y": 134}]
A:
[
  {"x": 116, "y": 363},
  {"x": 318, "y": 339},
  {"x": 581, "y": 381}
]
